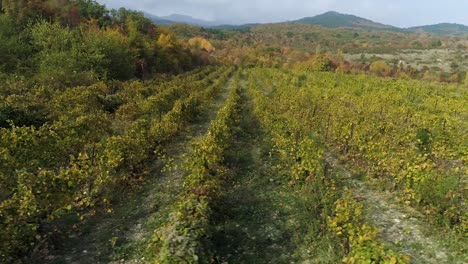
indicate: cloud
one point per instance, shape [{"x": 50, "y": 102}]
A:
[{"x": 394, "y": 12}]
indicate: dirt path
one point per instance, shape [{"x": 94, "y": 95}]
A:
[
  {"x": 401, "y": 227},
  {"x": 250, "y": 219},
  {"x": 261, "y": 219},
  {"x": 121, "y": 237}
]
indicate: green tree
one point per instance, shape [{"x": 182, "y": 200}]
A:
[
  {"x": 21, "y": 10},
  {"x": 91, "y": 9},
  {"x": 114, "y": 48},
  {"x": 417, "y": 44},
  {"x": 70, "y": 57},
  {"x": 13, "y": 50},
  {"x": 62, "y": 59},
  {"x": 436, "y": 43}
]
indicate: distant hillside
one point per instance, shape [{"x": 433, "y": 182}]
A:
[
  {"x": 157, "y": 20},
  {"x": 442, "y": 29},
  {"x": 241, "y": 28},
  {"x": 336, "y": 20},
  {"x": 177, "y": 18},
  {"x": 330, "y": 19}
]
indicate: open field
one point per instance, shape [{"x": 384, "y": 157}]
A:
[{"x": 444, "y": 59}]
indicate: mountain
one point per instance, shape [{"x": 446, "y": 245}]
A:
[
  {"x": 242, "y": 28},
  {"x": 330, "y": 19},
  {"x": 157, "y": 20},
  {"x": 442, "y": 29},
  {"x": 177, "y": 18},
  {"x": 334, "y": 19}
]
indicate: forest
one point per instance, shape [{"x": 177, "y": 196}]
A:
[{"x": 123, "y": 141}]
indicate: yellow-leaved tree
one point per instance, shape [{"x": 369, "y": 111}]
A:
[
  {"x": 201, "y": 43},
  {"x": 167, "y": 40}
]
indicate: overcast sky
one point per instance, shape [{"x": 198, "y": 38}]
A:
[{"x": 403, "y": 13}]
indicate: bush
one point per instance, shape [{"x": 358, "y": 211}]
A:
[
  {"x": 380, "y": 68},
  {"x": 318, "y": 63}
]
